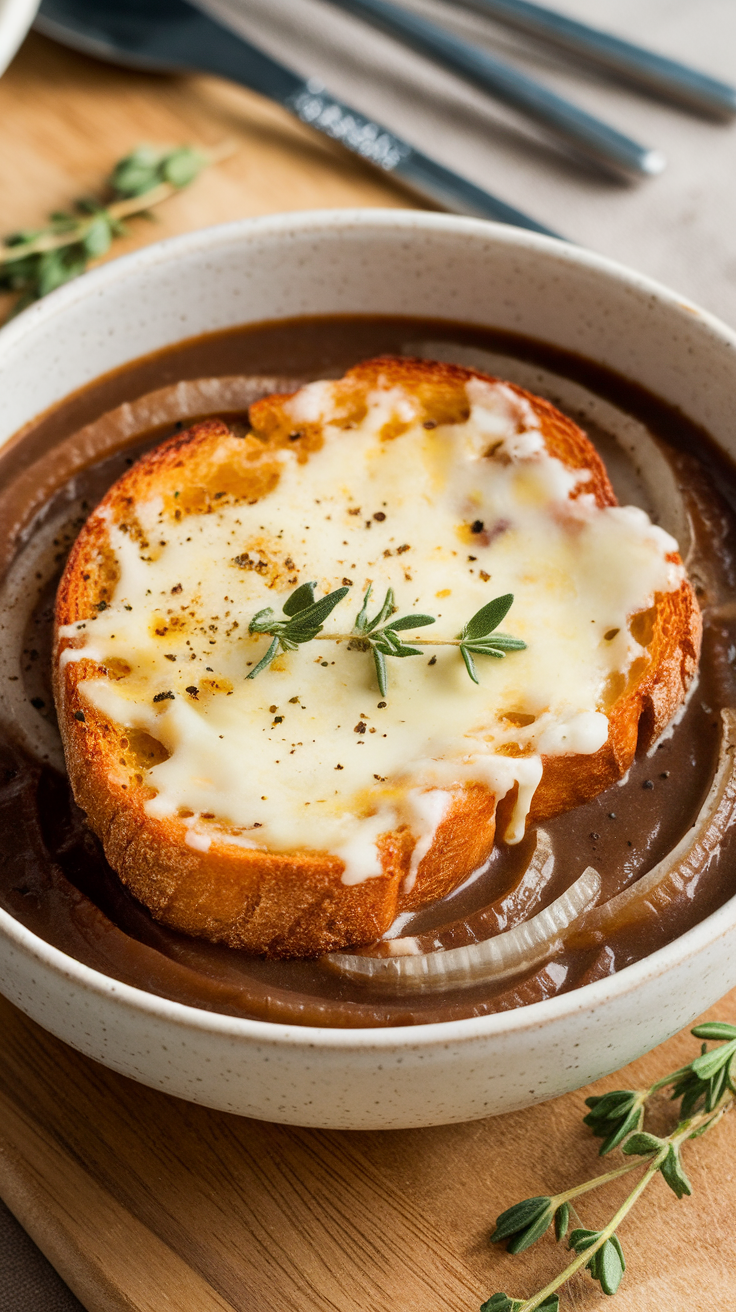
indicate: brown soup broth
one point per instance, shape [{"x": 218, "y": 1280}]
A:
[{"x": 53, "y": 876}]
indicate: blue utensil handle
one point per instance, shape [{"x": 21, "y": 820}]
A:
[{"x": 314, "y": 105}]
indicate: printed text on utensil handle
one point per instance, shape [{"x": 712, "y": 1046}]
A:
[{"x": 315, "y": 106}]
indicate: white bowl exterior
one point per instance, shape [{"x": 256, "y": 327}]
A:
[
  {"x": 365, "y": 1079},
  {"x": 390, "y": 263},
  {"x": 16, "y": 17}
]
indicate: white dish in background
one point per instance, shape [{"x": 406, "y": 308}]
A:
[
  {"x": 387, "y": 262},
  {"x": 16, "y": 17}
]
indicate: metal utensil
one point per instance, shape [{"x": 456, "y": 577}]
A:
[
  {"x": 596, "y": 139},
  {"x": 171, "y": 36},
  {"x": 670, "y": 78}
]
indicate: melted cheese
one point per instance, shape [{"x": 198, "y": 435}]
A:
[{"x": 307, "y": 756}]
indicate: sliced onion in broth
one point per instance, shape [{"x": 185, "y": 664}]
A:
[
  {"x": 495, "y": 959},
  {"x": 19, "y": 594},
  {"x": 655, "y": 890},
  {"x": 515, "y": 904}
]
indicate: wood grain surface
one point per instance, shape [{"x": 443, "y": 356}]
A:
[
  {"x": 66, "y": 119},
  {"x": 148, "y": 1204},
  {"x": 145, "y": 1203}
]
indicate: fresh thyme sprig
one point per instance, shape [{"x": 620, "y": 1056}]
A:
[
  {"x": 304, "y": 620},
  {"x": 617, "y": 1118},
  {"x": 380, "y": 635},
  {"x": 36, "y": 261}
]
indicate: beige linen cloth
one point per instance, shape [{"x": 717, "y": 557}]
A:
[{"x": 679, "y": 228}]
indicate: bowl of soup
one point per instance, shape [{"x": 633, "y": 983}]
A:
[{"x": 200, "y": 327}]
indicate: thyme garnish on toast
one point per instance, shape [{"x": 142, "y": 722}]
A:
[
  {"x": 707, "y": 1083},
  {"x": 304, "y": 620},
  {"x": 36, "y": 261}
]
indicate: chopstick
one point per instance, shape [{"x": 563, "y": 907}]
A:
[
  {"x": 596, "y": 139},
  {"x": 670, "y": 78}
]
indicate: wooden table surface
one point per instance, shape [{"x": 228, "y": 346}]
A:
[
  {"x": 66, "y": 119},
  {"x": 148, "y": 1204}
]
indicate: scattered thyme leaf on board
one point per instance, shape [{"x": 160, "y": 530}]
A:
[
  {"x": 35, "y": 261},
  {"x": 705, "y": 1089},
  {"x": 303, "y": 622}
]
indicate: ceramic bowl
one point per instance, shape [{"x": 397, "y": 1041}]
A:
[
  {"x": 16, "y": 17},
  {"x": 397, "y": 263}
]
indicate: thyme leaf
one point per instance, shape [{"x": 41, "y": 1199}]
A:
[
  {"x": 303, "y": 622},
  {"x": 478, "y": 637}
]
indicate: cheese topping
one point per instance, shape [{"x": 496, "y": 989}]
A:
[{"x": 307, "y": 755}]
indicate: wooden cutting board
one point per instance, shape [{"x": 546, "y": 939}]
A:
[
  {"x": 148, "y": 1204},
  {"x": 144, "y": 1203},
  {"x": 66, "y": 119}
]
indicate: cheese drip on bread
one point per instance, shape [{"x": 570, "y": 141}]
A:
[{"x": 449, "y": 516}]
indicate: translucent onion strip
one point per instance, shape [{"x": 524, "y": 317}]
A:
[
  {"x": 519, "y": 949},
  {"x": 183, "y": 402},
  {"x": 19, "y": 594},
  {"x": 515, "y": 904},
  {"x": 654, "y": 891}
]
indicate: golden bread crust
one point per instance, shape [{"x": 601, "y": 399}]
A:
[{"x": 295, "y": 904}]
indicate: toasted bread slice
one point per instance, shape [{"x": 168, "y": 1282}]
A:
[{"x": 202, "y": 869}]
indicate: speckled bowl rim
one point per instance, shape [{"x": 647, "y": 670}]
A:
[{"x": 588, "y": 997}]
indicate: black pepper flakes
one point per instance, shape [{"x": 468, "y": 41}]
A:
[
  {"x": 163, "y": 697},
  {"x": 360, "y": 727},
  {"x": 432, "y": 660},
  {"x": 38, "y": 702},
  {"x": 476, "y": 526},
  {"x": 648, "y": 783},
  {"x": 193, "y": 691},
  {"x": 79, "y": 715}
]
